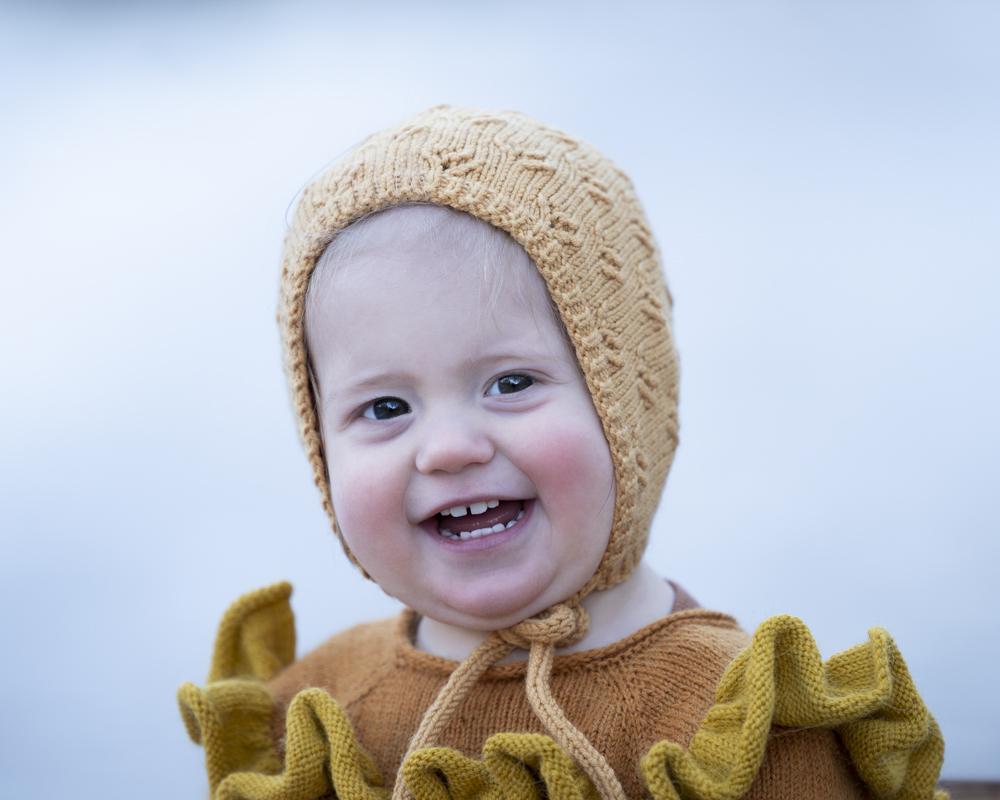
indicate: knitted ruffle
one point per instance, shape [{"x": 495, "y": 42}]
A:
[
  {"x": 515, "y": 766},
  {"x": 322, "y": 753},
  {"x": 865, "y": 694},
  {"x": 231, "y": 716}
]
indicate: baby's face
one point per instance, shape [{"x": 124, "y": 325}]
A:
[{"x": 468, "y": 468}]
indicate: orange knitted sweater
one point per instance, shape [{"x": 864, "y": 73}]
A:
[{"x": 656, "y": 684}]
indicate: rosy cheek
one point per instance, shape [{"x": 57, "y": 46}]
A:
[
  {"x": 363, "y": 499},
  {"x": 574, "y": 462}
]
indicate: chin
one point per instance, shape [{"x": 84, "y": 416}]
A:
[{"x": 496, "y": 605}]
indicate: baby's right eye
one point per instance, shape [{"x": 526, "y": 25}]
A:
[{"x": 387, "y": 408}]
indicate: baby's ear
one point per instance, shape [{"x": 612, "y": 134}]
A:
[{"x": 256, "y": 638}]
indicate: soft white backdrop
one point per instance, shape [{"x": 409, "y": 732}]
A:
[{"x": 824, "y": 180}]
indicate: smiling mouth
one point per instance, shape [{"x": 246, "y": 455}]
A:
[{"x": 479, "y": 519}]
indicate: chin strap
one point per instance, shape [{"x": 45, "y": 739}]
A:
[{"x": 560, "y": 626}]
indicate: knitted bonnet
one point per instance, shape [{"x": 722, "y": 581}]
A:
[{"x": 577, "y": 216}]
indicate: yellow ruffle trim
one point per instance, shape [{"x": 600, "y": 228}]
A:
[
  {"x": 515, "y": 766},
  {"x": 865, "y": 694}
]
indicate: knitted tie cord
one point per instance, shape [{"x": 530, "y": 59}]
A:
[
  {"x": 865, "y": 694},
  {"x": 563, "y": 625}
]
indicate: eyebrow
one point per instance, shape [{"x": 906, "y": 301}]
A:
[
  {"x": 369, "y": 382},
  {"x": 398, "y": 377}
]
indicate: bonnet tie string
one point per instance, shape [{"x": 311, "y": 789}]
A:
[{"x": 560, "y": 626}]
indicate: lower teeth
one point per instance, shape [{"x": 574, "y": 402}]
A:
[{"x": 458, "y": 537}]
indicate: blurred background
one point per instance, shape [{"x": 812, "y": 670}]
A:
[{"x": 824, "y": 181}]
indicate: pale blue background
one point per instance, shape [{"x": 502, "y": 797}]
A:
[{"x": 824, "y": 180}]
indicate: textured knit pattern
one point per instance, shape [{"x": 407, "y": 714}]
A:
[
  {"x": 577, "y": 216},
  {"x": 767, "y": 732}
]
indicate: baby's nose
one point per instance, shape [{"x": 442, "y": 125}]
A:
[{"x": 451, "y": 446}]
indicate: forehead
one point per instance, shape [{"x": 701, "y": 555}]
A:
[
  {"x": 423, "y": 227},
  {"x": 424, "y": 249}
]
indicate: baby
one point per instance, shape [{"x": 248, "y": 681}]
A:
[{"x": 478, "y": 344}]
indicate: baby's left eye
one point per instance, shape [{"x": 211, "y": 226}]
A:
[{"x": 509, "y": 384}]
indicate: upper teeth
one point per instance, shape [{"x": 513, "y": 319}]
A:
[{"x": 473, "y": 508}]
